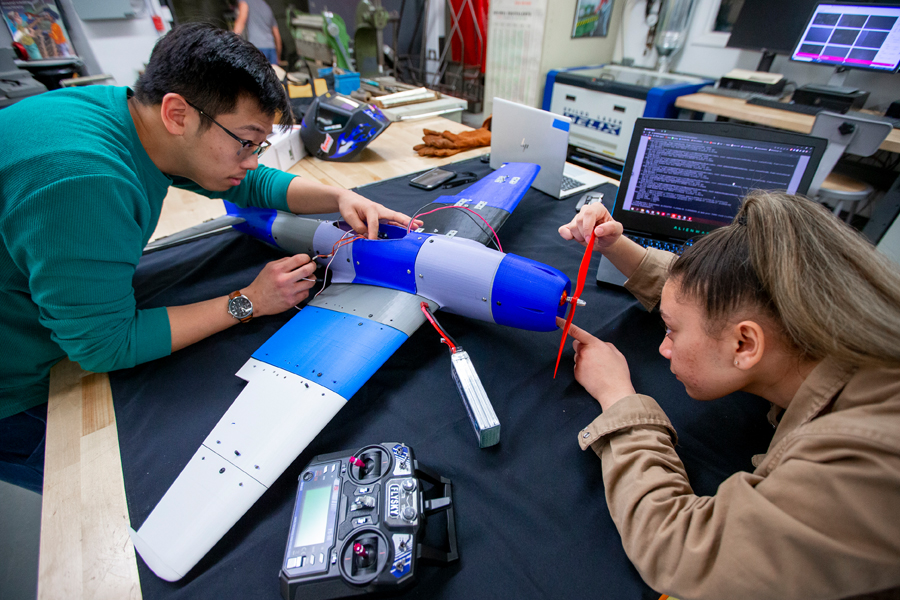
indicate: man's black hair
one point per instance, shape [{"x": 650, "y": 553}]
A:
[{"x": 211, "y": 68}]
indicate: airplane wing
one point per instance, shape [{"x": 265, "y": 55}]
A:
[
  {"x": 205, "y": 229},
  {"x": 304, "y": 374},
  {"x": 493, "y": 198},
  {"x": 484, "y": 205},
  {"x": 296, "y": 382}
]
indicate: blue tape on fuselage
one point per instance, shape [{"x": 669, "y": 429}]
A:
[
  {"x": 257, "y": 221},
  {"x": 336, "y": 350},
  {"x": 526, "y": 294},
  {"x": 388, "y": 263},
  {"x": 501, "y": 189}
]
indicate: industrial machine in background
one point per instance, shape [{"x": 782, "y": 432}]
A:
[
  {"x": 368, "y": 41},
  {"x": 457, "y": 68},
  {"x": 322, "y": 37},
  {"x": 605, "y": 101},
  {"x": 456, "y": 77}
]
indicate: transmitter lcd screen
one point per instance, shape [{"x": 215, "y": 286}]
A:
[{"x": 313, "y": 517}]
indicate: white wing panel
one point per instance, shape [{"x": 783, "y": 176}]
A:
[
  {"x": 266, "y": 428},
  {"x": 272, "y": 421}
]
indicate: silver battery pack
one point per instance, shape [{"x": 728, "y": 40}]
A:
[{"x": 481, "y": 413}]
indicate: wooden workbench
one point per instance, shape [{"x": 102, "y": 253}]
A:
[
  {"x": 85, "y": 551},
  {"x": 736, "y": 108}
]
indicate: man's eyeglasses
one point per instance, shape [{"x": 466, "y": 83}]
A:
[{"x": 247, "y": 147}]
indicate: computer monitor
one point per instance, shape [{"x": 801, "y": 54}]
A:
[
  {"x": 770, "y": 26},
  {"x": 683, "y": 179},
  {"x": 852, "y": 36}
]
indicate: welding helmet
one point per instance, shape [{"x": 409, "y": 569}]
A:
[{"x": 337, "y": 127}]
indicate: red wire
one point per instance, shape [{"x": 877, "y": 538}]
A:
[
  {"x": 340, "y": 244},
  {"x": 334, "y": 248},
  {"x": 408, "y": 227},
  {"x": 444, "y": 336}
]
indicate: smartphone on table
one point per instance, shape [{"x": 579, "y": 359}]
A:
[{"x": 432, "y": 179}]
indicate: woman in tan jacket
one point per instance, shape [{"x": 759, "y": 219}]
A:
[{"x": 792, "y": 305}]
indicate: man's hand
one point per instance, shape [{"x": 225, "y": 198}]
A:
[
  {"x": 593, "y": 217},
  {"x": 363, "y": 215},
  {"x": 599, "y": 367},
  {"x": 281, "y": 284},
  {"x": 308, "y": 197}
]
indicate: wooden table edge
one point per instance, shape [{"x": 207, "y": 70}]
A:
[{"x": 736, "y": 108}]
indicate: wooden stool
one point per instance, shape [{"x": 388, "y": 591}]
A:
[{"x": 841, "y": 189}]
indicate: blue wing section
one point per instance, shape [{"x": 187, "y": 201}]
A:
[
  {"x": 501, "y": 190},
  {"x": 336, "y": 350},
  {"x": 493, "y": 198}
]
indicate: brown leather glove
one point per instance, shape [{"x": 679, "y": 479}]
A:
[
  {"x": 425, "y": 150},
  {"x": 448, "y": 143},
  {"x": 437, "y": 139}
]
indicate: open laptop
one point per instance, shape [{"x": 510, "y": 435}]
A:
[
  {"x": 520, "y": 133},
  {"x": 683, "y": 179}
]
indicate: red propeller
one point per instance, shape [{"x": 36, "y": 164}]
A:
[{"x": 573, "y": 299}]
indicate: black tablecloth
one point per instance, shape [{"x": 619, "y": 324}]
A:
[{"x": 531, "y": 516}]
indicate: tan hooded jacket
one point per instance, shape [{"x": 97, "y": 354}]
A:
[{"x": 818, "y": 518}]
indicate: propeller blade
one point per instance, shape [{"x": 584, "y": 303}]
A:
[
  {"x": 579, "y": 287},
  {"x": 585, "y": 263},
  {"x": 562, "y": 342}
]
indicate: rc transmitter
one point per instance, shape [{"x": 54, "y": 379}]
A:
[{"x": 359, "y": 521}]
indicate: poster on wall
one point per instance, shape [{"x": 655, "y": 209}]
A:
[
  {"x": 515, "y": 39},
  {"x": 38, "y": 26},
  {"x": 592, "y": 18}
]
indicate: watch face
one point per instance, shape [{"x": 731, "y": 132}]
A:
[{"x": 240, "y": 307}]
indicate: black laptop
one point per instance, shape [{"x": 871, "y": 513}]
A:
[{"x": 683, "y": 179}]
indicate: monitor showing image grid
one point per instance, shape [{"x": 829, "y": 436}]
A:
[{"x": 858, "y": 36}]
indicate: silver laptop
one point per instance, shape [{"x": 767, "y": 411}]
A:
[{"x": 520, "y": 133}]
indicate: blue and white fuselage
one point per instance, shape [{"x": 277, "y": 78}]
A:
[{"x": 461, "y": 276}]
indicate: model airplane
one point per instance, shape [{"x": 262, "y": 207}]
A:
[{"x": 304, "y": 374}]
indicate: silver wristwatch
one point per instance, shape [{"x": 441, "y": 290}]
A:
[{"x": 240, "y": 307}]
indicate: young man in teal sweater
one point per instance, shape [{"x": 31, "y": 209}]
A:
[{"x": 82, "y": 183}]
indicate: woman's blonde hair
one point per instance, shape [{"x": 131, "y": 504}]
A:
[{"x": 829, "y": 290}]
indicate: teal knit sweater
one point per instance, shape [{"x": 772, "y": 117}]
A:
[{"x": 79, "y": 199}]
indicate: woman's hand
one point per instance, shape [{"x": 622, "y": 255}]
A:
[
  {"x": 281, "y": 284},
  {"x": 363, "y": 215},
  {"x": 599, "y": 367},
  {"x": 593, "y": 217}
]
